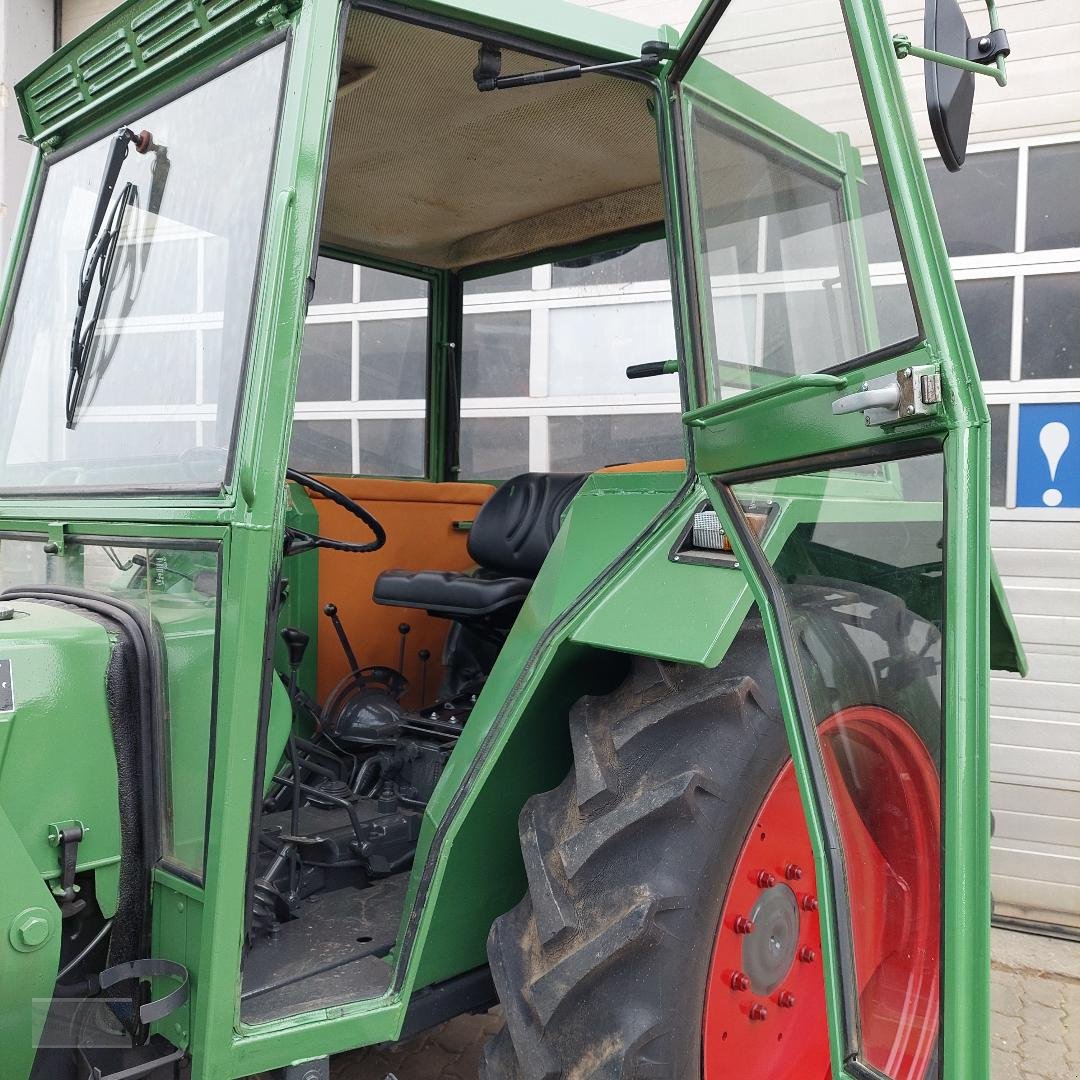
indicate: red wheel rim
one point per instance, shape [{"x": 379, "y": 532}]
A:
[{"x": 764, "y": 1013}]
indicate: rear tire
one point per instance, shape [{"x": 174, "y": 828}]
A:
[
  {"x": 602, "y": 967},
  {"x": 605, "y": 967}
]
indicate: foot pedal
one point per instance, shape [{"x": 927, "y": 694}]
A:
[{"x": 132, "y": 1063}]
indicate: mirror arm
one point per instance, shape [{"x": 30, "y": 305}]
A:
[
  {"x": 986, "y": 53},
  {"x": 904, "y": 47}
]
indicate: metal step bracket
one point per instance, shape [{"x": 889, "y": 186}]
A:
[{"x": 907, "y": 394}]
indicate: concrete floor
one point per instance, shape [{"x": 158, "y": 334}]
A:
[{"x": 1035, "y": 1024}]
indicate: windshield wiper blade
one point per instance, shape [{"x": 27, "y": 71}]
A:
[{"x": 98, "y": 258}]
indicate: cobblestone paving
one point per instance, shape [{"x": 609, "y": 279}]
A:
[
  {"x": 450, "y": 1052},
  {"x": 1035, "y": 1024}
]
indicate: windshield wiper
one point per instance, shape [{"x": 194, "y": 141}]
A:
[{"x": 98, "y": 258}]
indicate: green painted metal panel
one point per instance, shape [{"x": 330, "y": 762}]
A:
[{"x": 136, "y": 47}]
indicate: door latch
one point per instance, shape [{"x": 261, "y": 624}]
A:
[{"x": 907, "y": 394}]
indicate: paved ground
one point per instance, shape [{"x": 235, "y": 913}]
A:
[
  {"x": 1035, "y": 1024},
  {"x": 1035, "y": 1008}
]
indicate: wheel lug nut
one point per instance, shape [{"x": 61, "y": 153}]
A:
[
  {"x": 765, "y": 880},
  {"x": 786, "y": 1000},
  {"x": 758, "y": 1011},
  {"x": 809, "y": 903},
  {"x": 740, "y": 980},
  {"x": 743, "y": 925},
  {"x": 793, "y": 872},
  {"x": 807, "y": 955}
]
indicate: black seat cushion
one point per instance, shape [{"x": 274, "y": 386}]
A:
[
  {"x": 459, "y": 596},
  {"x": 510, "y": 538},
  {"x": 516, "y": 527}
]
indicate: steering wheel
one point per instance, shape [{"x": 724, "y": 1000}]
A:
[{"x": 297, "y": 541}]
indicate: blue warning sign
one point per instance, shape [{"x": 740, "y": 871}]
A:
[{"x": 1048, "y": 455}]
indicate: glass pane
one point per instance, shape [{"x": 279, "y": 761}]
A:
[
  {"x": 495, "y": 354},
  {"x": 326, "y": 363},
  {"x": 178, "y": 589},
  {"x": 333, "y": 282},
  {"x": 988, "y": 307},
  {"x": 1051, "y": 327},
  {"x": 321, "y": 446},
  {"x": 494, "y": 449},
  {"x": 783, "y": 217},
  {"x": 584, "y": 443},
  {"x": 999, "y": 454},
  {"x": 383, "y": 285},
  {"x": 543, "y": 371},
  {"x": 390, "y": 359},
  {"x": 1053, "y": 210},
  {"x": 187, "y": 221},
  {"x": 860, "y": 567},
  {"x": 643, "y": 262},
  {"x": 592, "y": 346},
  {"x": 987, "y": 181},
  {"x": 514, "y": 281},
  {"x": 393, "y": 359},
  {"x": 391, "y": 448}
]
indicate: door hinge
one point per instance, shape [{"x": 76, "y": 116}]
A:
[{"x": 908, "y": 394}]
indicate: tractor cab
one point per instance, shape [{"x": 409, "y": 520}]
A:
[{"x": 493, "y": 510}]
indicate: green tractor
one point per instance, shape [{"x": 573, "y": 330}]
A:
[{"x": 682, "y": 762}]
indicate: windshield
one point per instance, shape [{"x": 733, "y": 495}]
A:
[{"x": 164, "y": 314}]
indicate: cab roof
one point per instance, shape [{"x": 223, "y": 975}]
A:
[{"x": 143, "y": 46}]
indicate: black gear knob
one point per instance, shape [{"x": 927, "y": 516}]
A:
[{"x": 296, "y": 641}]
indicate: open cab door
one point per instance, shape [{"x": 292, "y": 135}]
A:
[{"x": 839, "y": 428}]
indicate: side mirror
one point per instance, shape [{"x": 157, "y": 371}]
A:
[
  {"x": 950, "y": 92},
  {"x": 953, "y": 59}
]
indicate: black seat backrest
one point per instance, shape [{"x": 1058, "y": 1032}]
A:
[{"x": 516, "y": 527}]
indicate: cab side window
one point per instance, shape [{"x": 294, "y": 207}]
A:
[
  {"x": 361, "y": 398},
  {"x": 544, "y": 357}
]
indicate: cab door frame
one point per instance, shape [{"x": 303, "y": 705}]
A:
[{"x": 788, "y": 426}]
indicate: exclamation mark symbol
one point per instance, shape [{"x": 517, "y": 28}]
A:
[{"x": 1054, "y": 441}]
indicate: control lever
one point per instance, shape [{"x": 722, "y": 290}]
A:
[
  {"x": 403, "y": 629},
  {"x": 424, "y": 655},
  {"x": 296, "y": 642},
  {"x": 331, "y": 612}
]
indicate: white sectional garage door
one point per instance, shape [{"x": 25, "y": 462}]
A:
[
  {"x": 1014, "y": 233},
  {"x": 1035, "y": 727}
]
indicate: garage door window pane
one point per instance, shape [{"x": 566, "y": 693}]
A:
[
  {"x": 515, "y": 281},
  {"x": 495, "y": 448},
  {"x": 641, "y": 262},
  {"x": 393, "y": 359},
  {"x": 586, "y": 443},
  {"x": 391, "y": 447},
  {"x": 495, "y": 356},
  {"x": 321, "y": 446},
  {"x": 1051, "y": 327},
  {"x": 1053, "y": 215},
  {"x": 326, "y": 363},
  {"x": 592, "y": 346},
  {"x": 987, "y": 181},
  {"x": 333, "y": 282},
  {"x": 988, "y": 313},
  {"x": 382, "y": 285}
]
